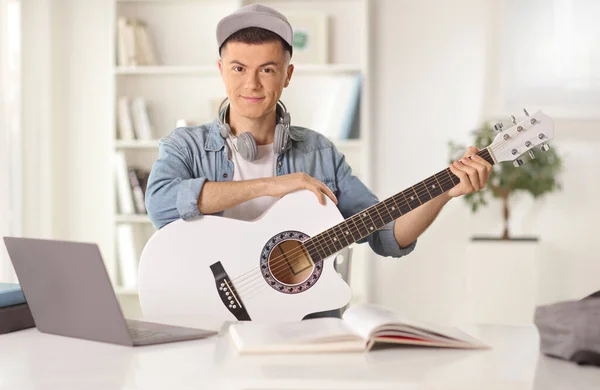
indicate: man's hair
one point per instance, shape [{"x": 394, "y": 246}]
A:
[{"x": 256, "y": 35}]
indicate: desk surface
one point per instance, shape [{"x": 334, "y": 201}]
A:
[{"x": 33, "y": 360}]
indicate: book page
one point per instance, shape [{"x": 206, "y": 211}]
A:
[
  {"x": 314, "y": 335},
  {"x": 370, "y": 321}
]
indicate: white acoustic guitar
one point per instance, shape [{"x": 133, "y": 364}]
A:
[{"x": 278, "y": 267}]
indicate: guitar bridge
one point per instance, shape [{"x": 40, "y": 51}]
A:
[{"x": 229, "y": 296}]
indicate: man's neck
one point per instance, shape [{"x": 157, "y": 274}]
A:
[{"x": 262, "y": 129}]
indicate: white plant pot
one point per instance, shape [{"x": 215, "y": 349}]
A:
[{"x": 501, "y": 280}]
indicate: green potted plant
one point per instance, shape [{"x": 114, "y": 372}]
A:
[{"x": 536, "y": 177}]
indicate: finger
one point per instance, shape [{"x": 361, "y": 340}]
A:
[
  {"x": 471, "y": 150},
  {"x": 462, "y": 176},
  {"x": 480, "y": 170},
  {"x": 470, "y": 177},
  {"x": 320, "y": 195},
  {"x": 487, "y": 168},
  {"x": 328, "y": 192}
]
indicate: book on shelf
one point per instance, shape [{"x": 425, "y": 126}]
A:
[
  {"x": 123, "y": 186},
  {"x": 131, "y": 185},
  {"x": 134, "y": 43},
  {"x": 128, "y": 256},
  {"x": 133, "y": 119},
  {"x": 360, "y": 329}
]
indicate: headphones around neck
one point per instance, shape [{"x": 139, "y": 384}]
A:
[{"x": 245, "y": 143}]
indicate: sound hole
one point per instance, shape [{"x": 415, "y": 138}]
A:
[{"x": 290, "y": 263}]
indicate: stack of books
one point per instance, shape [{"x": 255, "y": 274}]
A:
[{"x": 14, "y": 310}]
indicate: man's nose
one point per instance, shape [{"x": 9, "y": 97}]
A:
[{"x": 252, "y": 80}]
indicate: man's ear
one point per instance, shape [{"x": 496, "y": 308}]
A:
[
  {"x": 220, "y": 65},
  {"x": 290, "y": 71}
]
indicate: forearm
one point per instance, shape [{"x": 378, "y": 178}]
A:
[
  {"x": 218, "y": 196},
  {"x": 411, "y": 225}
]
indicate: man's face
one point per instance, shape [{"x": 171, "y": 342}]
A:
[{"x": 254, "y": 76}]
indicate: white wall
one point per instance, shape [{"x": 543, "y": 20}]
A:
[
  {"x": 435, "y": 80},
  {"x": 66, "y": 64}
]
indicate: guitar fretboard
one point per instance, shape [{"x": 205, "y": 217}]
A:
[{"x": 366, "y": 222}]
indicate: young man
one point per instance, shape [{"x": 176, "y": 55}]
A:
[{"x": 216, "y": 169}]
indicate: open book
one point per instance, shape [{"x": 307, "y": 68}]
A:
[{"x": 359, "y": 329}]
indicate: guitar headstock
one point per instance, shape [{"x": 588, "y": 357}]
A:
[{"x": 522, "y": 137}]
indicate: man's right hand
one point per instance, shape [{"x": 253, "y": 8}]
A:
[{"x": 280, "y": 186}]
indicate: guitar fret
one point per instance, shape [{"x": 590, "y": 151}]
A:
[
  {"x": 353, "y": 232},
  {"x": 422, "y": 192},
  {"x": 433, "y": 187},
  {"x": 335, "y": 240},
  {"x": 412, "y": 201},
  {"x": 371, "y": 226},
  {"x": 340, "y": 236},
  {"x": 376, "y": 218},
  {"x": 393, "y": 208},
  {"x": 366, "y": 231},
  {"x": 312, "y": 250},
  {"x": 331, "y": 243},
  {"x": 319, "y": 241},
  {"x": 451, "y": 175},
  {"x": 396, "y": 212},
  {"x": 402, "y": 205},
  {"x": 358, "y": 228}
]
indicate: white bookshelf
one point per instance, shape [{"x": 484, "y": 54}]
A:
[{"x": 187, "y": 80}]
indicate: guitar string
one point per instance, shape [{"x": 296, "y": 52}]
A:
[
  {"x": 247, "y": 287},
  {"x": 323, "y": 240},
  {"x": 390, "y": 203},
  {"x": 445, "y": 180},
  {"x": 277, "y": 264},
  {"x": 425, "y": 185},
  {"x": 251, "y": 293}
]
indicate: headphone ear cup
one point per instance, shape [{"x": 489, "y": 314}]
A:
[
  {"x": 247, "y": 146},
  {"x": 224, "y": 130},
  {"x": 281, "y": 141}
]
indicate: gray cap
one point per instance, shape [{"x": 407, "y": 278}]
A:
[{"x": 254, "y": 15}]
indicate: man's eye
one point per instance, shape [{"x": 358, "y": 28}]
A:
[
  {"x": 237, "y": 68},
  {"x": 268, "y": 70}
]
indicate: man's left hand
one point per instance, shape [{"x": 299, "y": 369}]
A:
[{"x": 473, "y": 173}]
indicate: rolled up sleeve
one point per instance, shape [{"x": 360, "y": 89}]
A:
[
  {"x": 353, "y": 197},
  {"x": 172, "y": 191}
]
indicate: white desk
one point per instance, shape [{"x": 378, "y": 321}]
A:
[{"x": 32, "y": 360}]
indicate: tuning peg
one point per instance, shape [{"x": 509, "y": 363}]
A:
[
  {"x": 512, "y": 118},
  {"x": 498, "y": 126},
  {"x": 545, "y": 147},
  {"x": 525, "y": 111},
  {"x": 518, "y": 162},
  {"x": 531, "y": 155}
]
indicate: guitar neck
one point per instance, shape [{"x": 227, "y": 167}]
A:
[{"x": 366, "y": 222}]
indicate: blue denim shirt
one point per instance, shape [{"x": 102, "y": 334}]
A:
[{"x": 190, "y": 156}]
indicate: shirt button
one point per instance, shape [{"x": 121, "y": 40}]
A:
[
  {"x": 280, "y": 163},
  {"x": 225, "y": 175}
]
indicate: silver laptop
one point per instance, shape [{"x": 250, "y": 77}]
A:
[{"x": 69, "y": 294}]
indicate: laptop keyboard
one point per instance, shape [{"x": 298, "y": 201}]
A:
[{"x": 142, "y": 332}]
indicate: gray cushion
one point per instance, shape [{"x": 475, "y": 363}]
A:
[{"x": 571, "y": 330}]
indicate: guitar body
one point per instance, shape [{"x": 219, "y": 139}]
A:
[{"x": 203, "y": 272}]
